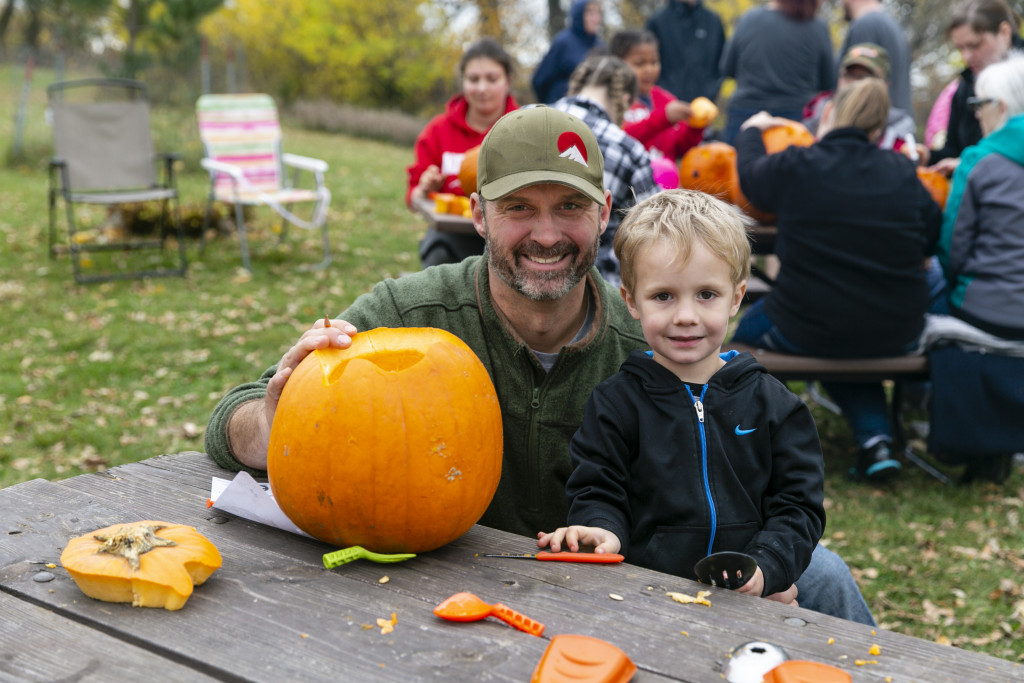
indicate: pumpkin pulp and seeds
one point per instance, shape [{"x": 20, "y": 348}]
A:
[{"x": 130, "y": 541}]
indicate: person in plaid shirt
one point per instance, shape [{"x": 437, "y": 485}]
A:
[{"x": 601, "y": 89}]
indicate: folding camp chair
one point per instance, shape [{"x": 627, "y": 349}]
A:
[
  {"x": 103, "y": 155},
  {"x": 242, "y": 140}
]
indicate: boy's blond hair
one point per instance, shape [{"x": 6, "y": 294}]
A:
[{"x": 681, "y": 218}]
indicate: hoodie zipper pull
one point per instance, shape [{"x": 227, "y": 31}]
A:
[{"x": 699, "y": 405}]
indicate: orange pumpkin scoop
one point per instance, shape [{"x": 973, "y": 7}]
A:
[{"x": 468, "y": 607}]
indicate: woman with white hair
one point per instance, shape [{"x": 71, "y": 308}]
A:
[
  {"x": 981, "y": 247},
  {"x": 977, "y": 400}
]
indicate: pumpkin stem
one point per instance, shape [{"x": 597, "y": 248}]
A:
[{"x": 132, "y": 540}]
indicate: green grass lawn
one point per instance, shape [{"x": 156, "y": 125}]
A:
[{"x": 93, "y": 376}]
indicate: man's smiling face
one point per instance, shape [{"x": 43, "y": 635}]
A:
[{"x": 542, "y": 239}]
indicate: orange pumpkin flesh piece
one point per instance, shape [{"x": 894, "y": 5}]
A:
[
  {"x": 704, "y": 112},
  {"x": 165, "y": 574},
  {"x": 393, "y": 444},
  {"x": 467, "y": 171},
  {"x": 936, "y": 183},
  {"x": 778, "y": 138}
]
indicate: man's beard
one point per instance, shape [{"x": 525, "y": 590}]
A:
[{"x": 541, "y": 286}]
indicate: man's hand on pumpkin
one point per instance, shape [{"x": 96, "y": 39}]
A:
[{"x": 321, "y": 336}]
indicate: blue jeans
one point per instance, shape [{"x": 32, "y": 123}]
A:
[
  {"x": 827, "y": 586},
  {"x": 938, "y": 301},
  {"x": 864, "y": 405}
]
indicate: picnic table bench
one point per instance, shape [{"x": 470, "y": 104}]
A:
[{"x": 273, "y": 613}]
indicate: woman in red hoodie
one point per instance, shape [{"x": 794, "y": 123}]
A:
[{"x": 486, "y": 76}]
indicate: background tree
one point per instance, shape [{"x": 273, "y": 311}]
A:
[
  {"x": 164, "y": 32},
  {"x": 381, "y": 54}
]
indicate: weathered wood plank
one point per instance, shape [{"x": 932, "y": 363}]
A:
[
  {"x": 272, "y": 590},
  {"x": 37, "y": 644},
  {"x": 276, "y": 618}
]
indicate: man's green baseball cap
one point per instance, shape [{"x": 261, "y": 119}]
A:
[{"x": 535, "y": 145}]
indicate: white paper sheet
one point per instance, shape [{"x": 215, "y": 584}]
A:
[{"x": 245, "y": 497}]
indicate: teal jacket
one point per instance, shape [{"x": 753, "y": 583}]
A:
[
  {"x": 981, "y": 245},
  {"x": 540, "y": 410}
]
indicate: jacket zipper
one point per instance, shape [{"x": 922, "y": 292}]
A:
[
  {"x": 534, "y": 450},
  {"x": 698, "y": 405}
]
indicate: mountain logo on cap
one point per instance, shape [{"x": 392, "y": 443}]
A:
[{"x": 570, "y": 146}]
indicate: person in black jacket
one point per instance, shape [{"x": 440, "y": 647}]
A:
[
  {"x": 688, "y": 451},
  {"x": 855, "y": 227}
]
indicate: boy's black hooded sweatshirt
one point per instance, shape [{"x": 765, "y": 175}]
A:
[{"x": 679, "y": 473}]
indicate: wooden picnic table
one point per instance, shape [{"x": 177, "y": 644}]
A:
[
  {"x": 443, "y": 222},
  {"x": 273, "y": 613}
]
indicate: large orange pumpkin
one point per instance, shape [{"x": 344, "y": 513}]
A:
[
  {"x": 467, "y": 171},
  {"x": 710, "y": 168},
  {"x": 936, "y": 183},
  {"x": 393, "y": 444}
]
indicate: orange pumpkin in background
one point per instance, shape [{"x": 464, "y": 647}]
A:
[
  {"x": 703, "y": 113},
  {"x": 710, "y": 168},
  {"x": 778, "y": 138},
  {"x": 467, "y": 171},
  {"x": 393, "y": 444},
  {"x": 936, "y": 183}
]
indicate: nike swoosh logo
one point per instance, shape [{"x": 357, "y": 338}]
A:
[{"x": 741, "y": 432}]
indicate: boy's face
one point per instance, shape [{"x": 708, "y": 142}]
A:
[
  {"x": 684, "y": 308},
  {"x": 646, "y": 64}
]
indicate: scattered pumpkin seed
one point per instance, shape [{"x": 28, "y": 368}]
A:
[{"x": 615, "y": 596}]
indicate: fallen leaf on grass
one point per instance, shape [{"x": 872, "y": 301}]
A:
[{"x": 700, "y": 599}]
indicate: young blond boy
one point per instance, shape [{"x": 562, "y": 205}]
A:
[{"x": 688, "y": 451}]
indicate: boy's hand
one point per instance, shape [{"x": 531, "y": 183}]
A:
[
  {"x": 603, "y": 540},
  {"x": 755, "y": 586},
  {"x": 786, "y": 597}
]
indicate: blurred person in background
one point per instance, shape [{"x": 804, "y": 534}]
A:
[
  {"x": 865, "y": 60},
  {"x": 690, "y": 43},
  {"x": 781, "y": 57},
  {"x": 983, "y": 31},
  {"x": 485, "y": 73},
  {"x": 570, "y": 47},
  {"x": 601, "y": 90},
  {"x": 656, "y": 118},
  {"x": 855, "y": 227},
  {"x": 870, "y": 23}
]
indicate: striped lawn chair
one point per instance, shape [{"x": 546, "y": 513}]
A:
[{"x": 242, "y": 141}]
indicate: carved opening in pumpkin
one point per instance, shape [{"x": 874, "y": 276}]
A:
[{"x": 394, "y": 360}]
